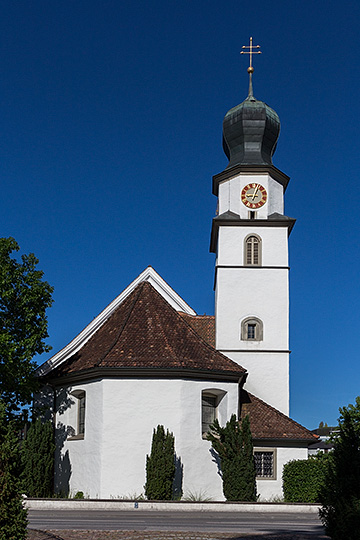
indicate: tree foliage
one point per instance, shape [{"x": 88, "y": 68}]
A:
[
  {"x": 13, "y": 518},
  {"x": 234, "y": 445},
  {"x": 37, "y": 456},
  {"x": 160, "y": 466},
  {"x": 24, "y": 297},
  {"x": 340, "y": 498}
]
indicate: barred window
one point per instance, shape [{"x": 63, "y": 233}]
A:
[
  {"x": 252, "y": 250},
  {"x": 264, "y": 464}
]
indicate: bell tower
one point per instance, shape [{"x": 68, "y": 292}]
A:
[{"x": 250, "y": 239}]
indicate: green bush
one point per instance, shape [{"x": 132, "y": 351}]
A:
[
  {"x": 37, "y": 455},
  {"x": 303, "y": 479},
  {"x": 13, "y": 518},
  {"x": 160, "y": 466},
  {"x": 234, "y": 445},
  {"x": 79, "y": 495}
]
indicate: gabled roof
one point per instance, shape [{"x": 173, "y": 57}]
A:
[
  {"x": 146, "y": 332},
  {"x": 149, "y": 275},
  {"x": 269, "y": 423}
]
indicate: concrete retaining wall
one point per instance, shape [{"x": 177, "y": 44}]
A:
[{"x": 113, "y": 504}]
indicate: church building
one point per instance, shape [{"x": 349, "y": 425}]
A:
[{"x": 149, "y": 359}]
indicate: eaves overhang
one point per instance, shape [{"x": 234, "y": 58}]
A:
[
  {"x": 229, "y": 219},
  {"x": 227, "y": 174},
  {"x": 145, "y": 373},
  {"x": 276, "y": 440}
]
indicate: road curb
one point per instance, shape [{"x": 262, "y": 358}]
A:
[{"x": 179, "y": 506}]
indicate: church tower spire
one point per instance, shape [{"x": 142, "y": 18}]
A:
[{"x": 250, "y": 239}]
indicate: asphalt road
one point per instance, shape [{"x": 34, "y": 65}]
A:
[{"x": 142, "y": 520}]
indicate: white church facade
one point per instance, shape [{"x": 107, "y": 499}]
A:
[{"x": 149, "y": 359}]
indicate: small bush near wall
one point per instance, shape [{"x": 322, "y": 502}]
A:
[{"x": 304, "y": 478}]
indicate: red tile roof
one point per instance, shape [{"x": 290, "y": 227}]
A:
[
  {"x": 204, "y": 325},
  {"x": 269, "y": 423},
  {"x": 146, "y": 332}
]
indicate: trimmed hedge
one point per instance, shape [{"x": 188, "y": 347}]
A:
[{"x": 304, "y": 478}]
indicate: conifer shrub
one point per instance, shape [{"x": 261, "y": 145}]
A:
[
  {"x": 37, "y": 455},
  {"x": 160, "y": 466},
  {"x": 303, "y": 479},
  {"x": 234, "y": 445},
  {"x": 13, "y": 517}
]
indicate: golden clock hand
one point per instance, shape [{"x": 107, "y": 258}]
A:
[{"x": 255, "y": 191}]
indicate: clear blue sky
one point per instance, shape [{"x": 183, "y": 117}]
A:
[{"x": 110, "y": 125}]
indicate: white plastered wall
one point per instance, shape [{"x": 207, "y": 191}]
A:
[
  {"x": 261, "y": 292},
  {"x": 268, "y": 488},
  {"x": 120, "y": 417},
  {"x": 78, "y": 462}
]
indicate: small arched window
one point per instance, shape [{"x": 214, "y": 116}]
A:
[
  {"x": 252, "y": 250},
  {"x": 251, "y": 329}
]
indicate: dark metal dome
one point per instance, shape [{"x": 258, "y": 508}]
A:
[{"x": 250, "y": 133}]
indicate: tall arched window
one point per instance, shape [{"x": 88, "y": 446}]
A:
[
  {"x": 252, "y": 250},
  {"x": 78, "y": 418}
]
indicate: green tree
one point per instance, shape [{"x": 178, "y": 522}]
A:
[
  {"x": 37, "y": 456},
  {"x": 160, "y": 466},
  {"x": 24, "y": 297},
  {"x": 234, "y": 445},
  {"x": 340, "y": 497},
  {"x": 13, "y": 518}
]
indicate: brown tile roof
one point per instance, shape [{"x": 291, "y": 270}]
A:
[
  {"x": 204, "y": 325},
  {"x": 146, "y": 332},
  {"x": 269, "y": 423}
]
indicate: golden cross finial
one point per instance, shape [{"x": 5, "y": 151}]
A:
[
  {"x": 250, "y": 52},
  {"x": 250, "y": 69}
]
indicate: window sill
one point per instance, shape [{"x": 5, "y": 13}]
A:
[{"x": 79, "y": 437}]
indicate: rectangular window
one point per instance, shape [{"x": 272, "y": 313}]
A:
[
  {"x": 255, "y": 253},
  {"x": 264, "y": 464},
  {"x": 208, "y": 406},
  {"x": 251, "y": 331}
]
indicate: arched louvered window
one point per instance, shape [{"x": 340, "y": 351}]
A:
[
  {"x": 252, "y": 250},
  {"x": 251, "y": 329}
]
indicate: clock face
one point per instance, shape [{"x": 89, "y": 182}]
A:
[{"x": 254, "y": 196}]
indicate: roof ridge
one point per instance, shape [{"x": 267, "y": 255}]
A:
[
  {"x": 183, "y": 314},
  {"x": 117, "y": 337}
]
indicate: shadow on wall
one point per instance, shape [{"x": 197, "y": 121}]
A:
[
  {"x": 216, "y": 459},
  {"x": 62, "y": 462},
  {"x": 178, "y": 479}
]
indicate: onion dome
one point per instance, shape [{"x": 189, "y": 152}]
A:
[{"x": 250, "y": 132}]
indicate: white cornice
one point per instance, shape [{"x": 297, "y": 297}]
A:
[{"x": 79, "y": 341}]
